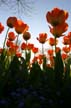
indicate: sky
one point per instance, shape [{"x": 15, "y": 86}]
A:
[{"x": 37, "y": 22}]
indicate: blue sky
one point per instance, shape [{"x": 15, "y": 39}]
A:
[{"x": 37, "y": 22}]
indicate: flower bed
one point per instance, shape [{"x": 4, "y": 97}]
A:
[{"x": 44, "y": 80}]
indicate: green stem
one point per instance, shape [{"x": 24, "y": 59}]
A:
[
  {"x": 17, "y": 39},
  {"x": 34, "y": 55},
  {"x": 42, "y": 50},
  {"x": 25, "y": 51},
  {"x": 5, "y": 38},
  {"x": 55, "y": 46}
]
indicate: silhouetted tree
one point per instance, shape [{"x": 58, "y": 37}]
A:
[{"x": 19, "y": 7}]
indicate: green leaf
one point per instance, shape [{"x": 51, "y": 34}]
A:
[
  {"x": 35, "y": 74},
  {"x": 59, "y": 68},
  {"x": 28, "y": 56}
]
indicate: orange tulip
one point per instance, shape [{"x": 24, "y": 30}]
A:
[
  {"x": 23, "y": 46},
  {"x": 1, "y": 27},
  {"x": 11, "y": 21},
  {"x": 11, "y": 36},
  {"x": 40, "y": 56},
  {"x": 9, "y": 43},
  {"x": 34, "y": 50},
  {"x": 66, "y": 40},
  {"x": 69, "y": 36},
  {"x": 40, "y": 62},
  {"x": 30, "y": 46},
  {"x": 42, "y": 38},
  {"x": 14, "y": 47},
  {"x": 59, "y": 30},
  {"x": 56, "y": 16},
  {"x": 21, "y": 27},
  {"x": 11, "y": 51},
  {"x": 35, "y": 59},
  {"x": 50, "y": 52},
  {"x": 66, "y": 49},
  {"x": 26, "y": 36},
  {"x": 57, "y": 49},
  {"x": 18, "y": 54},
  {"x": 1, "y": 49},
  {"x": 64, "y": 56},
  {"x": 52, "y": 41},
  {"x": 51, "y": 58}
]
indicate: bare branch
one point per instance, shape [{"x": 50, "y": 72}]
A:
[{"x": 19, "y": 7}]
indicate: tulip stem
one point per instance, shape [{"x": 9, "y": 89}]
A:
[
  {"x": 55, "y": 46},
  {"x": 5, "y": 37},
  {"x": 17, "y": 39},
  {"x": 42, "y": 50},
  {"x": 26, "y": 50}
]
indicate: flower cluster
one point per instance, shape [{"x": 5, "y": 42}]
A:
[
  {"x": 57, "y": 20},
  {"x": 24, "y": 69},
  {"x": 16, "y": 61}
]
